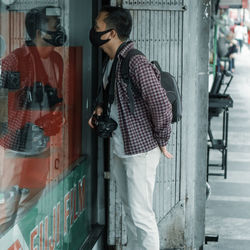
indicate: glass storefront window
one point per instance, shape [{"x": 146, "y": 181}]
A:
[{"x": 42, "y": 173}]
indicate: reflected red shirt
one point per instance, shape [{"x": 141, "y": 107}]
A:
[{"x": 22, "y": 62}]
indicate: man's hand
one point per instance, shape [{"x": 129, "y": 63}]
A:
[
  {"x": 166, "y": 153},
  {"x": 97, "y": 111}
]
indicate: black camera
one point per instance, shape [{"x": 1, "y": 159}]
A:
[
  {"x": 33, "y": 97},
  {"x": 53, "y": 98},
  {"x": 104, "y": 125}
]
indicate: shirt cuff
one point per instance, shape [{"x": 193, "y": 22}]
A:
[{"x": 162, "y": 143}]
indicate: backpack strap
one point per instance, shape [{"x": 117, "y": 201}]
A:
[
  {"x": 127, "y": 79},
  {"x": 157, "y": 65}
]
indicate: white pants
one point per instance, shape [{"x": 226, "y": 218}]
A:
[{"x": 135, "y": 180}]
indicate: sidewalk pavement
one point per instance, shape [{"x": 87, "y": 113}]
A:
[{"x": 228, "y": 208}]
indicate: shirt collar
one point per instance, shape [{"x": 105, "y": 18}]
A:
[
  {"x": 124, "y": 51},
  {"x": 26, "y": 50}
]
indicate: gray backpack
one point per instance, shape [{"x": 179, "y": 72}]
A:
[{"x": 168, "y": 82}]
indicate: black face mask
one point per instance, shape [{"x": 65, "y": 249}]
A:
[
  {"x": 95, "y": 37},
  {"x": 58, "y": 37}
]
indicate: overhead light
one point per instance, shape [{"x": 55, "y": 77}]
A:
[{"x": 8, "y": 2}]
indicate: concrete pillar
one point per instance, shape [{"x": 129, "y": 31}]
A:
[{"x": 195, "y": 106}]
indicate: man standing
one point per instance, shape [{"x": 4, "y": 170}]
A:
[
  {"x": 240, "y": 34},
  {"x": 141, "y": 136}
]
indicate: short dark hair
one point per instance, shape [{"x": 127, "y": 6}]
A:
[
  {"x": 35, "y": 19},
  {"x": 118, "y": 19}
]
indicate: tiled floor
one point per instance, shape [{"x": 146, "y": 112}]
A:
[{"x": 228, "y": 209}]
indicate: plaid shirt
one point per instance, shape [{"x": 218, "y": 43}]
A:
[{"x": 150, "y": 125}]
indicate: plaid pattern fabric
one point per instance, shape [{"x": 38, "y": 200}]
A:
[
  {"x": 150, "y": 125},
  {"x": 20, "y": 61}
]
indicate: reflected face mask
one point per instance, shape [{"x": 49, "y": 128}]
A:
[
  {"x": 95, "y": 37},
  {"x": 58, "y": 37}
]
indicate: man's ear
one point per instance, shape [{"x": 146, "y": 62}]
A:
[{"x": 113, "y": 34}]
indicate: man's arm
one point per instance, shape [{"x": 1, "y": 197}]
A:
[{"x": 147, "y": 80}]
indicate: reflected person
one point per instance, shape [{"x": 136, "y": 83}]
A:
[{"x": 32, "y": 76}]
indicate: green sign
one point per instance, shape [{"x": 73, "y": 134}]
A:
[{"x": 59, "y": 220}]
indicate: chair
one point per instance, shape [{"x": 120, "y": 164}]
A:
[
  {"x": 220, "y": 80},
  {"x": 218, "y": 144},
  {"x": 219, "y": 103}
]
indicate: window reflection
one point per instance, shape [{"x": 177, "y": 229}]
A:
[
  {"x": 42, "y": 175},
  {"x": 31, "y": 114}
]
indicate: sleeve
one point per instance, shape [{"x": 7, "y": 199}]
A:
[
  {"x": 147, "y": 79},
  {"x": 10, "y": 77}
]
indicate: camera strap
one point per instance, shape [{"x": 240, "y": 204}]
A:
[
  {"x": 40, "y": 73},
  {"x": 111, "y": 80}
]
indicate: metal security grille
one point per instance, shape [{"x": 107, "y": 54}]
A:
[
  {"x": 21, "y": 5},
  {"x": 158, "y": 33},
  {"x": 16, "y": 30},
  {"x": 160, "y": 5}
]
